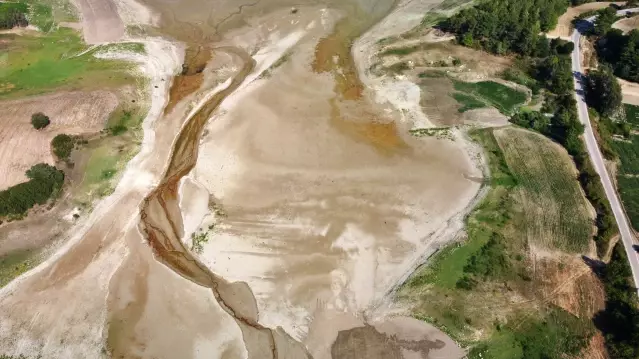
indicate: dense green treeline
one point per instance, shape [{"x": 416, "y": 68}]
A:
[
  {"x": 621, "y": 52},
  {"x": 13, "y": 14},
  {"x": 505, "y": 26},
  {"x": 45, "y": 181},
  {"x": 620, "y": 320}
]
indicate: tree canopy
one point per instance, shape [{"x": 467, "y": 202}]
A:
[
  {"x": 502, "y": 26},
  {"x": 62, "y": 146},
  {"x": 13, "y": 14},
  {"x": 44, "y": 182},
  {"x": 39, "y": 120},
  {"x": 621, "y": 52},
  {"x": 603, "y": 92}
]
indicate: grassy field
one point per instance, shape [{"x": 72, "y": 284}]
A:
[
  {"x": 37, "y": 64},
  {"x": 490, "y": 93},
  {"x": 481, "y": 291},
  {"x": 632, "y": 114},
  {"x": 468, "y": 102},
  {"x": 628, "y": 169},
  {"x": 14, "y": 264}
]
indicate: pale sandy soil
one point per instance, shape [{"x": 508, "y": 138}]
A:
[
  {"x": 326, "y": 221},
  {"x": 630, "y": 91},
  {"x": 626, "y": 25},
  {"x": 564, "y": 25},
  {"x": 325, "y": 214},
  {"x": 101, "y": 22},
  {"x": 73, "y": 113}
]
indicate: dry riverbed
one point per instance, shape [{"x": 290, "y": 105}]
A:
[{"x": 314, "y": 199}]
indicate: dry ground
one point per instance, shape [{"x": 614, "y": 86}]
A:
[
  {"x": 564, "y": 25},
  {"x": 101, "y": 22},
  {"x": 73, "y": 113},
  {"x": 628, "y": 24},
  {"x": 330, "y": 201},
  {"x": 630, "y": 91}
]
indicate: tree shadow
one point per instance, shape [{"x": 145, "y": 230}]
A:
[
  {"x": 584, "y": 27},
  {"x": 597, "y": 266}
]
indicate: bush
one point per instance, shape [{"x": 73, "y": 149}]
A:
[
  {"x": 13, "y": 14},
  {"x": 44, "y": 182},
  {"x": 603, "y": 92},
  {"x": 39, "y": 120},
  {"x": 62, "y": 146}
]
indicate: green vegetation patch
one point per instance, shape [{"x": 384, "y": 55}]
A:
[
  {"x": 629, "y": 192},
  {"x": 632, "y": 114},
  {"x": 468, "y": 102},
  {"x": 14, "y": 264},
  {"x": 45, "y": 182},
  {"x": 36, "y": 64},
  {"x": 489, "y": 93},
  {"x": 13, "y": 14},
  {"x": 471, "y": 287},
  {"x": 62, "y": 145}
]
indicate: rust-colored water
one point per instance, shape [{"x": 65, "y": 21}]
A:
[
  {"x": 195, "y": 59},
  {"x": 333, "y": 55}
]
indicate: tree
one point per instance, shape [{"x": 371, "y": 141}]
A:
[
  {"x": 604, "y": 21},
  {"x": 603, "y": 91},
  {"x": 62, "y": 146},
  {"x": 39, "y": 120}
]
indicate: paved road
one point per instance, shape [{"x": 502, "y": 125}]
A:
[{"x": 627, "y": 235}]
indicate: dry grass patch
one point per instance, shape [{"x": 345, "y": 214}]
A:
[{"x": 552, "y": 211}]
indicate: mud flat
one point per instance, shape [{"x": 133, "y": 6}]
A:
[
  {"x": 329, "y": 204},
  {"x": 328, "y": 199}
]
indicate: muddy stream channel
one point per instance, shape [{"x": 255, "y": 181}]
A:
[{"x": 161, "y": 216}]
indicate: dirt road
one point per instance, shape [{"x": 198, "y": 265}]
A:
[{"x": 100, "y": 21}]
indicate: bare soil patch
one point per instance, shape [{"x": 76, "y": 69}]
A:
[
  {"x": 630, "y": 92},
  {"x": 626, "y": 25},
  {"x": 101, "y": 22},
  {"x": 73, "y": 113}
]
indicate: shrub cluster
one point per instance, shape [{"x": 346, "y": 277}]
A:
[
  {"x": 39, "y": 120},
  {"x": 62, "y": 146},
  {"x": 13, "y": 14},
  {"x": 504, "y": 26},
  {"x": 621, "y": 52},
  {"x": 44, "y": 182}
]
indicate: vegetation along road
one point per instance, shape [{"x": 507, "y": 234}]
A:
[{"x": 597, "y": 159}]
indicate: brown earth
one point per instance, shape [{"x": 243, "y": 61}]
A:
[
  {"x": 626, "y": 25},
  {"x": 73, "y": 113},
  {"x": 190, "y": 79},
  {"x": 630, "y": 92},
  {"x": 101, "y": 22}
]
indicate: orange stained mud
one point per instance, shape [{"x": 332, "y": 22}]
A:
[
  {"x": 365, "y": 126},
  {"x": 333, "y": 55},
  {"x": 190, "y": 80}
]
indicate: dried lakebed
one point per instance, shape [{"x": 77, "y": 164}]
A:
[{"x": 329, "y": 202}]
